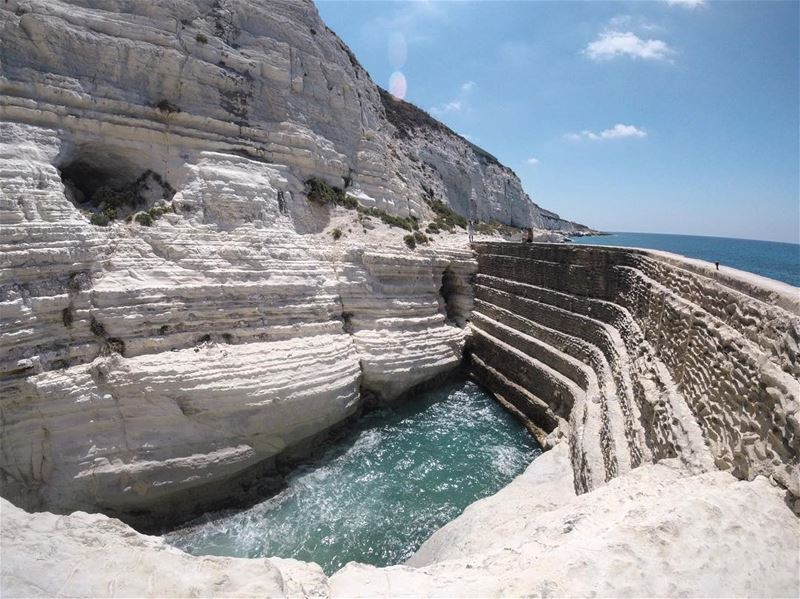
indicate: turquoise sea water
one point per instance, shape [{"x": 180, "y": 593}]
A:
[
  {"x": 780, "y": 261},
  {"x": 376, "y": 495}
]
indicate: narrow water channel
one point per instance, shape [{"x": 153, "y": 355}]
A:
[{"x": 378, "y": 493}]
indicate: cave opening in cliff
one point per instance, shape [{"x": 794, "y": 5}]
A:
[
  {"x": 376, "y": 493},
  {"x": 109, "y": 183}
]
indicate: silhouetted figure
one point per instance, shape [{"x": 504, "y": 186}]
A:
[
  {"x": 530, "y": 235},
  {"x": 717, "y": 265}
]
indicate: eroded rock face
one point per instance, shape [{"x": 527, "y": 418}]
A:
[
  {"x": 174, "y": 309},
  {"x": 147, "y": 364},
  {"x": 657, "y": 531},
  {"x": 142, "y": 362},
  {"x": 152, "y": 84},
  {"x": 91, "y": 555}
]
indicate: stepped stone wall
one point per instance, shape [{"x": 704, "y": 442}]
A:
[{"x": 639, "y": 356}]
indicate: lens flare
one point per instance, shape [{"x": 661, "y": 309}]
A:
[
  {"x": 398, "y": 50},
  {"x": 398, "y": 85}
]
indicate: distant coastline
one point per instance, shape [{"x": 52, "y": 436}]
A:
[{"x": 774, "y": 259}]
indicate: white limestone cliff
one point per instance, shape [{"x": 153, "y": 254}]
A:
[
  {"x": 151, "y": 84},
  {"x": 220, "y": 328}
]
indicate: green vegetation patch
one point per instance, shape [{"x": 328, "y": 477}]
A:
[
  {"x": 446, "y": 218},
  {"x": 409, "y": 223},
  {"x": 112, "y": 202},
  {"x": 321, "y": 193},
  {"x": 495, "y": 228},
  {"x": 146, "y": 219}
]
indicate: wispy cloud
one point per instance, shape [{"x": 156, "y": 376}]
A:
[
  {"x": 515, "y": 53},
  {"x": 632, "y": 23},
  {"x": 416, "y": 21},
  {"x": 532, "y": 161},
  {"x": 454, "y": 106},
  {"x": 612, "y": 44},
  {"x": 686, "y": 3},
  {"x": 458, "y": 103},
  {"x": 618, "y": 131}
]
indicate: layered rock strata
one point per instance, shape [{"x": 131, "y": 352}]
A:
[
  {"x": 148, "y": 85},
  {"x": 640, "y": 356},
  {"x": 687, "y": 514},
  {"x": 142, "y": 362},
  {"x": 658, "y": 531},
  {"x": 149, "y": 366}
]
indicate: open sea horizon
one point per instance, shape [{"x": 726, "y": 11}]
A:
[{"x": 773, "y": 259}]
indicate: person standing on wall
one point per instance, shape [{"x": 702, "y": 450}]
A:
[{"x": 470, "y": 230}]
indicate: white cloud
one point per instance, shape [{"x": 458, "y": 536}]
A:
[
  {"x": 532, "y": 161},
  {"x": 458, "y": 104},
  {"x": 618, "y": 131},
  {"x": 454, "y": 106},
  {"x": 687, "y": 3},
  {"x": 611, "y": 44}
]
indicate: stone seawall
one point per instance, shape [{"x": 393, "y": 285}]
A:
[{"x": 639, "y": 356}]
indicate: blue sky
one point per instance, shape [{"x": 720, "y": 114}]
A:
[{"x": 662, "y": 116}]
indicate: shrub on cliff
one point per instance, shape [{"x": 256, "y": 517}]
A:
[
  {"x": 100, "y": 219},
  {"x": 494, "y": 228},
  {"x": 144, "y": 219},
  {"x": 321, "y": 193},
  {"x": 416, "y": 238},
  {"x": 112, "y": 202},
  {"x": 409, "y": 223},
  {"x": 350, "y": 202},
  {"x": 337, "y": 233},
  {"x": 446, "y": 218}
]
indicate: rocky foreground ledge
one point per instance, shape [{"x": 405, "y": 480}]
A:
[{"x": 657, "y": 531}]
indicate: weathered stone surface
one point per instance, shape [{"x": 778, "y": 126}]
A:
[
  {"x": 150, "y": 85},
  {"x": 658, "y": 531},
  {"x": 139, "y": 362},
  {"x": 142, "y": 362},
  {"x": 648, "y": 355},
  {"x": 91, "y": 555}
]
